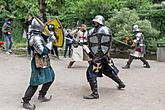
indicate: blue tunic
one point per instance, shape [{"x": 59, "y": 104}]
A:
[{"x": 41, "y": 75}]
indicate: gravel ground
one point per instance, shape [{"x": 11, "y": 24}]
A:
[{"x": 144, "y": 87}]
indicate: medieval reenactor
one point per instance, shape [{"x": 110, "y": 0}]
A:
[
  {"x": 99, "y": 42},
  {"x": 42, "y": 72},
  {"x": 79, "y": 43},
  {"x": 139, "y": 49},
  {"x": 54, "y": 50}
]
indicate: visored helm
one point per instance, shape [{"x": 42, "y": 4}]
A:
[
  {"x": 135, "y": 28},
  {"x": 99, "y": 19},
  {"x": 37, "y": 25},
  {"x": 51, "y": 27}
]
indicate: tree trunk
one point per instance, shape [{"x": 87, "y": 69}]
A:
[{"x": 42, "y": 6}]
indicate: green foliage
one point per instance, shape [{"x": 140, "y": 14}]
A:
[
  {"x": 122, "y": 21},
  {"x": 162, "y": 39},
  {"x": 18, "y": 40},
  {"x": 156, "y": 14},
  {"x": 27, "y": 7},
  {"x": 138, "y": 4},
  {"x": 85, "y": 10},
  {"x": 52, "y": 6},
  {"x": 18, "y": 8},
  {"x": 17, "y": 31},
  {"x": 21, "y": 44}
]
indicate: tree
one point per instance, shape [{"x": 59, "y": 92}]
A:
[{"x": 42, "y": 6}]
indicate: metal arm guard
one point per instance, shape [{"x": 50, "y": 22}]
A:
[
  {"x": 51, "y": 39},
  {"x": 38, "y": 43}
]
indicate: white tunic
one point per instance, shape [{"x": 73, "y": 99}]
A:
[{"x": 78, "y": 53}]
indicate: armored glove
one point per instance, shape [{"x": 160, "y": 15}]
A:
[
  {"x": 49, "y": 45},
  {"x": 52, "y": 37},
  {"x": 90, "y": 55}
]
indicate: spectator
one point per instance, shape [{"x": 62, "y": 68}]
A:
[
  {"x": 7, "y": 32},
  {"x": 68, "y": 43}
]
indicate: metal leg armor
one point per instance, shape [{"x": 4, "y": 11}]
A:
[
  {"x": 93, "y": 84},
  {"x": 94, "y": 94}
]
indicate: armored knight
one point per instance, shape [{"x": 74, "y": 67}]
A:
[
  {"x": 99, "y": 42},
  {"x": 42, "y": 72},
  {"x": 139, "y": 49}
]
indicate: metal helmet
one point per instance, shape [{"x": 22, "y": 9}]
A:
[
  {"x": 99, "y": 19},
  {"x": 51, "y": 27},
  {"x": 135, "y": 28},
  {"x": 37, "y": 25}
]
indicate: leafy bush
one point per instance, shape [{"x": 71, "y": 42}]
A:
[
  {"x": 121, "y": 24},
  {"x": 17, "y": 30},
  {"x": 86, "y": 10}
]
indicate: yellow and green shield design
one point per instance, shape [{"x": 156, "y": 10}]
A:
[{"x": 58, "y": 29}]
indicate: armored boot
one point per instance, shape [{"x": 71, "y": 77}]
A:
[
  {"x": 28, "y": 106},
  {"x": 119, "y": 82},
  {"x": 42, "y": 98},
  {"x": 127, "y": 66},
  {"x": 145, "y": 63},
  {"x": 94, "y": 95},
  {"x": 27, "y": 97},
  {"x": 70, "y": 64},
  {"x": 43, "y": 92}
]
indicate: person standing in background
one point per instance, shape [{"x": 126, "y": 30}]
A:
[
  {"x": 68, "y": 43},
  {"x": 7, "y": 32}
]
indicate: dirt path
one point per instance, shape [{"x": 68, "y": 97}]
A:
[{"x": 145, "y": 88}]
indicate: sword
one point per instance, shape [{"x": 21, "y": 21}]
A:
[{"x": 121, "y": 42}]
